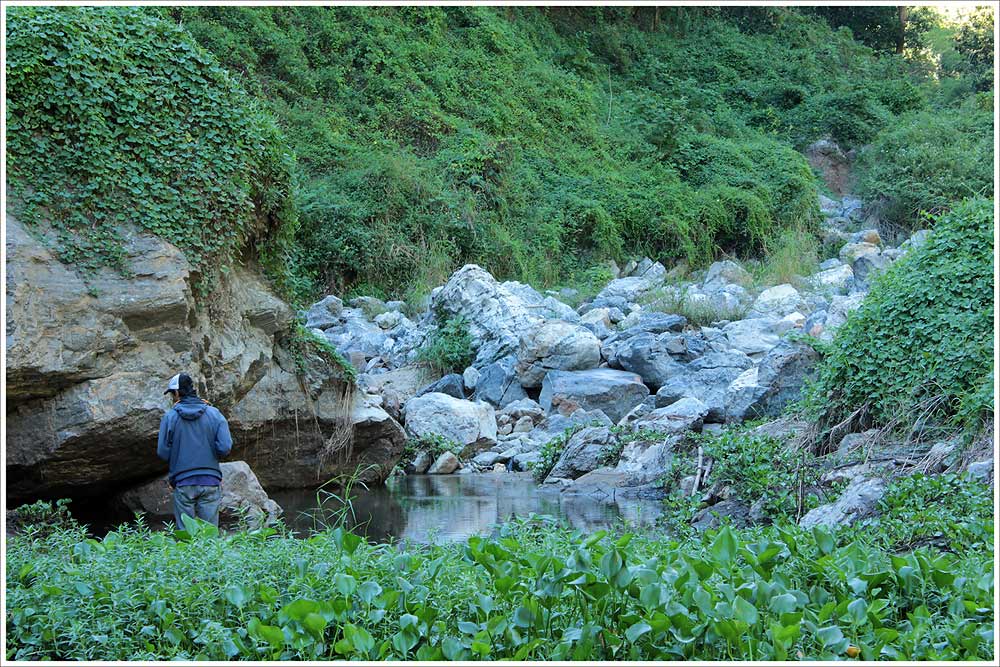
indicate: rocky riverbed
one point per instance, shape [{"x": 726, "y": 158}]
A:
[{"x": 623, "y": 377}]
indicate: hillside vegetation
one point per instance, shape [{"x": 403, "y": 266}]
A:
[{"x": 537, "y": 141}]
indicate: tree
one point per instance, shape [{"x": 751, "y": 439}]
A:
[{"x": 974, "y": 42}]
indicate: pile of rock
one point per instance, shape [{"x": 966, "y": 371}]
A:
[{"x": 620, "y": 359}]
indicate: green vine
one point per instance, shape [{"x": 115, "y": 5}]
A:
[
  {"x": 118, "y": 118},
  {"x": 304, "y": 341}
]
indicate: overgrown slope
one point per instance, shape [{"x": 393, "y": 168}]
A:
[
  {"x": 535, "y": 141},
  {"x": 117, "y": 117}
]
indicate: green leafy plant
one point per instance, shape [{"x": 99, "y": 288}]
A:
[
  {"x": 449, "y": 349},
  {"x": 118, "y": 118},
  {"x": 550, "y": 452},
  {"x": 921, "y": 342},
  {"x": 304, "y": 341},
  {"x": 535, "y": 591}
]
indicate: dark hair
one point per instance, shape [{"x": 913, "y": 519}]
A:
[{"x": 185, "y": 386}]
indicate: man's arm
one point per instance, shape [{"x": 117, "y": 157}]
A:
[
  {"x": 163, "y": 440},
  {"x": 223, "y": 440}
]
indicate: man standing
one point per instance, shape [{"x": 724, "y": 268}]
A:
[{"x": 193, "y": 437}]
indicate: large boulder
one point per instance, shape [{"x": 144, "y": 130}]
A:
[
  {"x": 356, "y": 333},
  {"x": 687, "y": 414},
  {"x": 301, "y": 440},
  {"x": 777, "y": 301},
  {"x": 583, "y": 453},
  {"x": 555, "y": 345},
  {"x": 753, "y": 336},
  {"x": 707, "y": 379},
  {"x": 765, "y": 390},
  {"x": 496, "y": 315},
  {"x": 859, "y": 500},
  {"x": 497, "y": 383},
  {"x": 87, "y": 362},
  {"x": 452, "y": 384},
  {"x": 611, "y": 391},
  {"x": 396, "y": 387},
  {"x": 243, "y": 499},
  {"x": 325, "y": 313},
  {"x": 467, "y": 423},
  {"x": 654, "y": 357}
]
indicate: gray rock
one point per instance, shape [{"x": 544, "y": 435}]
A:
[
  {"x": 981, "y": 470},
  {"x": 765, "y": 391},
  {"x": 445, "y": 464},
  {"x": 524, "y": 408},
  {"x": 395, "y": 305},
  {"x": 389, "y": 319},
  {"x": 645, "y": 461},
  {"x": 556, "y": 424},
  {"x": 859, "y": 500},
  {"x": 472, "y": 424},
  {"x": 522, "y": 462},
  {"x": 777, "y": 301},
  {"x": 582, "y": 453},
  {"x": 324, "y": 313},
  {"x": 683, "y": 415},
  {"x": 369, "y": 304},
  {"x": 625, "y": 290},
  {"x": 754, "y": 336},
  {"x": 469, "y": 377},
  {"x": 452, "y": 384},
  {"x": 356, "y": 334},
  {"x": 524, "y": 425},
  {"x": 852, "y": 251},
  {"x": 707, "y": 379},
  {"x": 831, "y": 263},
  {"x": 867, "y": 236},
  {"x": 611, "y": 391},
  {"x": 496, "y": 315},
  {"x": 487, "y": 459},
  {"x": 867, "y": 267},
  {"x": 838, "y": 279},
  {"x": 652, "y": 322},
  {"x": 243, "y": 499},
  {"x": 726, "y": 272},
  {"x": 421, "y": 462},
  {"x": 555, "y": 345},
  {"x": 498, "y": 384}
]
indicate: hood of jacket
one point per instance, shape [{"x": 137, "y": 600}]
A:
[{"x": 190, "y": 407}]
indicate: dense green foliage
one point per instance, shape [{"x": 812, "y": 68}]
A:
[
  {"x": 115, "y": 117},
  {"x": 922, "y": 341},
  {"x": 449, "y": 349},
  {"x": 928, "y": 161},
  {"x": 533, "y": 141},
  {"x": 536, "y": 592}
]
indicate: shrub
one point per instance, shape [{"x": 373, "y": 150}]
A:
[
  {"x": 550, "y": 452},
  {"x": 924, "y": 334},
  {"x": 928, "y": 161},
  {"x": 449, "y": 349},
  {"x": 534, "y": 592},
  {"x": 117, "y": 117}
]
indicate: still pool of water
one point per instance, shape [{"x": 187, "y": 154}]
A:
[{"x": 451, "y": 508}]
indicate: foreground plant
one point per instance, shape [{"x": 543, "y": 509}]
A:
[{"x": 535, "y": 592}]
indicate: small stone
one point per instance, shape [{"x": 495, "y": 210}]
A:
[
  {"x": 469, "y": 376},
  {"x": 445, "y": 464},
  {"x": 499, "y": 467},
  {"x": 506, "y": 429},
  {"x": 523, "y": 425}
]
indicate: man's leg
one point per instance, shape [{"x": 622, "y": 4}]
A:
[
  {"x": 207, "y": 507},
  {"x": 184, "y": 503}
]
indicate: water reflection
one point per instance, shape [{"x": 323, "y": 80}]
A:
[{"x": 450, "y": 508}]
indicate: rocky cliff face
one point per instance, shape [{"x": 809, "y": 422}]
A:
[{"x": 87, "y": 365}]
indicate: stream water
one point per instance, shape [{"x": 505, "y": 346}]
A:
[{"x": 448, "y": 508}]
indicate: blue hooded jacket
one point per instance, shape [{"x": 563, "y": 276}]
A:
[{"x": 193, "y": 437}]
